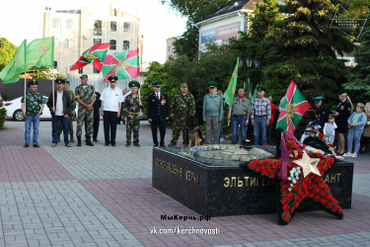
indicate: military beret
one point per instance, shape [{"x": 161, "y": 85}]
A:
[
  {"x": 342, "y": 91},
  {"x": 112, "y": 78},
  {"x": 60, "y": 81},
  {"x": 157, "y": 84},
  {"x": 84, "y": 76},
  {"x": 212, "y": 84},
  {"x": 32, "y": 82},
  {"x": 184, "y": 84},
  {"x": 66, "y": 82},
  {"x": 134, "y": 84},
  {"x": 260, "y": 88}
]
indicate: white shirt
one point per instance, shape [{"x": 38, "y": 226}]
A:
[
  {"x": 111, "y": 99},
  {"x": 158, "y": 95},
  {"x": 59, "y": 104}
]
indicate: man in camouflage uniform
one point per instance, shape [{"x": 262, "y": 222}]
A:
[
  {"x": 182, "y": 106},
  {"x": 85, "y": 96},
  {"x": 70, "y": 117},
  {"x": 131, "y": 113}
]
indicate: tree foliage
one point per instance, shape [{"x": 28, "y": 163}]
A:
[
  {"x": 305, "y": 49},
  {"x": 7, "y": 51},
  {"x": 359, "y": 78}
]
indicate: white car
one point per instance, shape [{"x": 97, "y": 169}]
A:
[{"x": 14, "y": 109}]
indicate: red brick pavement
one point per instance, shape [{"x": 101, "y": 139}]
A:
[
  {"x": 139, "y": 207},
  {"x": 19, "y": 164}
]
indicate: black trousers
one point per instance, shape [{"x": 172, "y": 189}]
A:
[
  {"x": 110, "y": 122},
  {"x": 162, "y": 131}
]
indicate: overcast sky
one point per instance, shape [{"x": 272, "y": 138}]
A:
[{"x": 20, "y": 19}]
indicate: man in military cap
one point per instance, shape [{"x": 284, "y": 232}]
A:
[
  {"x": 322, "y": 112},
  {"x": 131, "y": 113},
  {"x": 213, "y": 110},
  {"x": 85, "y": 96},
  {"x": 158, "y": 112},
  {"x": 261, "y": 115},
  {"x": 70, "y": 116},
  {"x": 60, "y": 106},
  {"x": 110, "y": 109},
  {"x": 31, "y": 111},
  {"x": 182, "y": 106}
]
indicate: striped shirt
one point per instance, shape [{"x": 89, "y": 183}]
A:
[{"x": 261, "y": 109}]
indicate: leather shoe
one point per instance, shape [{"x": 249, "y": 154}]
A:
[
  {"x": 106, "y": 144},
  {"x": 137, "y": 145},
  {"x": 128, "y": 144},
  {"x": 155, "y": 145},
  {"x": 69, "y": 145},
  {"x": 172, "y": 144},
  {"x": 113, "y": 144},
  {"x": 95, "y": 140},
  {"x": 26, "y": 145},
  {"x": 163, "y": 146},
  {"x": 36, "y": 146}
]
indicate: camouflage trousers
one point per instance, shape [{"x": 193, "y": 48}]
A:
[
  {"x": 133, "y": 124},
  {"x": 89, "y": 115},
  {"x": 176, "y": 128},
  {"x": 70, "y": 126}
]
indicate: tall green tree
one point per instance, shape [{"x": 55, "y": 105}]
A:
[
  {"x": 305, "y": 49},
  {"x": 7, "y": 51},
  {"x": 359, "y": 78}
]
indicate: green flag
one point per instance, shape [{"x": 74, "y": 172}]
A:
[
  {"x": 230, "y": 91},
  {"x": 40, "y": 52},
  {"x": 16, "y": 66}
]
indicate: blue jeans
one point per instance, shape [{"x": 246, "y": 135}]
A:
[
  {"x": 235, "y": 124},
  {"x": 260, "y": 125},
  {"x": 54, "y": 132},
  {"x": 354, "y": 135},
  {"x": 27, "y": 134}
]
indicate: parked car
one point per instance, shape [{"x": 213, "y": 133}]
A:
[{"x": 14, "y": 109}]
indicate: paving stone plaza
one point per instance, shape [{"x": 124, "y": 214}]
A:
[{"x": 103, "y": 196}]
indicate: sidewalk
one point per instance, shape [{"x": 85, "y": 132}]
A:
[{"x": 102, "y": 196}]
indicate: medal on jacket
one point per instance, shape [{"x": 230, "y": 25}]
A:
[{"x": 163, "y": 100}]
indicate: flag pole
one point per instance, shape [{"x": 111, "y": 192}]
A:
[
  {"x": 25, "y": 90},
  {"x": 53, "y": 90},
  {"x": 137, "y": 48}
]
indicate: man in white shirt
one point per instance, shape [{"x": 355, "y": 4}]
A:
[{"x": 111, "y": 102}]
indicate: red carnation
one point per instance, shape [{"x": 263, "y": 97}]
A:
[
  {"x": 331, "y": 145},
  {"x": 286, "y": 208},
  {"x": 277, "y": 172},
  {"x": 269, "y": 168},
  {"x": 284, "y": 201},
  {"x": 321, "y": 135},
  {"x": 272, "y": 175},
  {"x": 333, "y": 200},
  {"x": 296, "y": 187},
  {"x": 284, "y": 195},
  {"x": 257, "y": 161},
  {"x": 289, "y": 138},
  {"x": 296, "y": 198},
  {"x": 283, "y": 189},
  {"x": 291, "y": 211},
  {"x": 274, "y": 166},
  {"x": 300, "y": 192},
  {"x": 290, "y": 196},
  {"x": 321, "y": 185},
  {"x": 252, "y": 165},
  {"x": 327, "y": 187},
  {"x": 322, "y": 201},
  {"x": 317, "y": 180},
  {"x": 339, "y": 209},
  {"x": 262, "y": 166},
  {"x": 328, "y": 196},
  {"x": 295, "y": 205},
  {"x": 279, "y": 164},
  {"x": 316, "y": 190},
  {"x": 264, "y": 172},
  {"x": 316, "y": 197},
  {"x": 257, "y": 169},
  {"x": 310, "y": 194},
  {"x": 322, "y": 193},
  {"x": 334, "y": 207},
  {"x": 328, "y": 204},
  {"x": 286, "y": 217},
  {"x": 310, "y": 187}
]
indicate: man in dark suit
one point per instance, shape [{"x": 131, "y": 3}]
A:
[{"x": 158, "y": 112}]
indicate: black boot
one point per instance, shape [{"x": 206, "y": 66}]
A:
[
  {"x": 78, "y": 141},
  {"x": 88, "y": 141}
]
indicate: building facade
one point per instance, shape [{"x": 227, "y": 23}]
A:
[
  {"x": 75, "y": 31},
  {"x": 170, "y": 49}
]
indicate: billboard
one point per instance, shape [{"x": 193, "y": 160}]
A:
[{"x": 220, "y": 34}]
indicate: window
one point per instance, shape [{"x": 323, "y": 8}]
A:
[
  {"x": 56, "y": 42},
  {"x": 113, "y": 26},
  {"x": 55, "y": 64},
  {"x": 126, "y": 27},
  {"x": 55, "y": 23},
  {"x": 98, "y": 27},
  {"x": 96, "y": 41},
  {"x": 96, "y": 71},
  {"x": 112, "y": 44},
  {"x": 69, "y": 24},
  {"x": 126, "y": 45},
  {"x": 68, "y": 43}
]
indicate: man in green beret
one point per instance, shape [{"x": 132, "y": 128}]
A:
[
  {"x": 32, "y": 108},
  {"x": 261, "y": 115},
  {"x": 182, "y": 106},
  {"x": 158, "y": 113},
  {"x": 213, "y": 109},
  {"x": 131, "y": 113},
  {"x": 322, "y": 112},
  {"x": 60, "y": 106},
  {"x": 110, "y": 109},
  {"x": 85, "y": 96},
  {"x": 70, "y": 116}
]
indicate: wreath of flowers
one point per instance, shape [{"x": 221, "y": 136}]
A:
[
  {"x": 329, "y": 148},
  {"x": 312, "y": 186}
]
